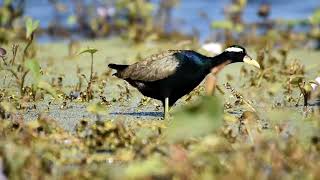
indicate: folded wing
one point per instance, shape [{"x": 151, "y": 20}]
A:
[{"x": 153, "y": 68}]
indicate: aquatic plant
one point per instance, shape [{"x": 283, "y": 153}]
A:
[{"x": 89, "y": 94}]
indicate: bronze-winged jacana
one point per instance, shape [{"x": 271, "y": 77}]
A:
[{"x": 170, "y": 75}]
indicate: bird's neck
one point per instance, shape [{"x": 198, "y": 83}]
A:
[{"x": 218, "y": 60}]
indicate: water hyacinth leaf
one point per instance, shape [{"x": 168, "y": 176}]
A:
[
  {"x": 47, "y": 87},
  {"x": 89, "y": 50},
  {"x": 31, "y": 26},
  {"x": 197, "y": 120},
  {"x": 34, "y": 67},
  {"x": 97, "y": 108}
]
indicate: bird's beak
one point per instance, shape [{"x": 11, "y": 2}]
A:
[{"x": 247, "y": 59}]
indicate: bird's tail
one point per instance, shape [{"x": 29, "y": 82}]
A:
[{"x": 118, "y": 67}]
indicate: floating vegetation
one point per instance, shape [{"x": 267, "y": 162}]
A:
[{"x": 64, "y": 116}]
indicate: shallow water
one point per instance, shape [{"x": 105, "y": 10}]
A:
[{"x": 129, "y": 108}]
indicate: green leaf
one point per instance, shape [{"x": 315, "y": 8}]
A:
[
  {"x": 31, "y": 26},
  {"x": 314, "y": 82},
  {"x": 315, "y": 18},
  {"x": 7, "y": 2},
  {"x": 296, "y": 79},
  {"x": 34, "y": 68},
  {"x": 307, "y": 87},
  {"x": 89, "y": 50},
  {"x": 196, "y": 120},
  {"x": 47, "y": 87}
]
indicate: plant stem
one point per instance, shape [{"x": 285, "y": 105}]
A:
[
  {"x": 14, "y": 53},
  {"x": 91, "y": 74},
  {"x": 89, "y": 94},
  {"x": 4, "y": 61},
  {"x": 22, "y": 82},
  {"x": 27, "y": 47}
]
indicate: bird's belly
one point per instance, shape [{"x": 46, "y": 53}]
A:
[
  {"x": 150, "y": 89},
  {"x": 173, "y": 87},
  {"x": 183, "y": 87}
]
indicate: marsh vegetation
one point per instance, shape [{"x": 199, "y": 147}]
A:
[{"x": 64, "y": 116}]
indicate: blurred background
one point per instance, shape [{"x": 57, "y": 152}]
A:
[
  {"x": 64, "y": 116},
  {"x": 141, "y": 20}
]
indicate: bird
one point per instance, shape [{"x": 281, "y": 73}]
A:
[{"x": 169, "y": 75}]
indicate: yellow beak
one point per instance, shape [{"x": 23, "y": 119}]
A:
[{"x": 247, "y": 59}]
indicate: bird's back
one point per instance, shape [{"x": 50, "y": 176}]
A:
[{"x": 155, "y": 67}]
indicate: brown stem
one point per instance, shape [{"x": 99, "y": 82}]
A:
[
  {"x": 14, "y": 53},
  {"x": 23, "y": 77},
  {"x": 27, "y": 47},
  {"x": 4, "y": 60},
  {"x": 12, "y": 72},
  {"x": 91, "y": 73},
  {"x": 89, "y": 94}
]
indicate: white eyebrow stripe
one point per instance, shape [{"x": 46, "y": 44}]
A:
[{"x": 234, "y": 49}]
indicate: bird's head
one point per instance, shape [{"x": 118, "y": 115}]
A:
[{"x": 237, "y": 53}]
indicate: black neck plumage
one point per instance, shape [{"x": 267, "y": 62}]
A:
[{"x": 218, "y": 60}]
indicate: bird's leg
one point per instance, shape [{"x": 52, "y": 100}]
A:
[
  {"x": 166, "y": 108},
  {"x": 210, "y": 85}
]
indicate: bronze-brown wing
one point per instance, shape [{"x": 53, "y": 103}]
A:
[{"x": 153, "y": 68}]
